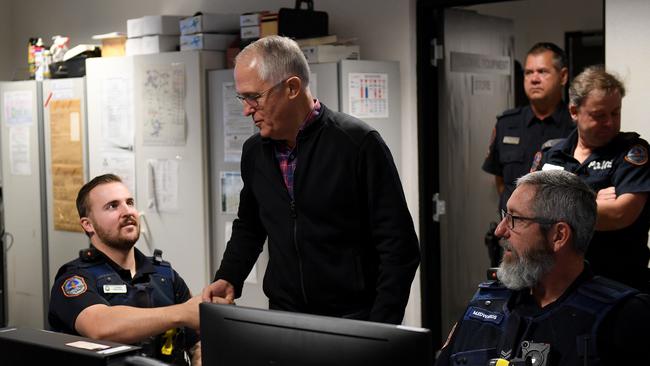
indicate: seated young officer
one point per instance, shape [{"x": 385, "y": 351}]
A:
[
  {"x": 547, "y": 298},
  {"x": 113, "y": 291}
]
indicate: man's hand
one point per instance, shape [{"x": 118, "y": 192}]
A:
[
  {"x": 191, "y": 312},
  {"x": 605, "y": 194},
  {"x": 196, "y": 354},
  {"x": 220, "y": 292}
]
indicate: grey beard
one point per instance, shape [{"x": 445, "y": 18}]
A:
[{"x": 527, "y": 270}]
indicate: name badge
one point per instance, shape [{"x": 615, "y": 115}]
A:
[
  {"x": 484, "y": 315},
  {"x": 548, "y": 166},
  {"x": 511, "y": 140},
  {"x": 114, "y": 289}
]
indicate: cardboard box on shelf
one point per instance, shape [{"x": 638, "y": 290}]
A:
[
  {"x": 269, "y": 24},
  {"x": 113, "y": 44},
  {"x": 330, "y": 53},
  {"x": 207, "y": 41},
  {"x": 251, "y": 32},
  {"x": 210, "y": 23},
  {"x": 153, "y": 25},
  {"x": 248, "y": 19},
  {"x": 151, "y": 44}
]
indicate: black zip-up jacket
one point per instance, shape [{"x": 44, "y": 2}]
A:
[{"x": 345, "y": 245}]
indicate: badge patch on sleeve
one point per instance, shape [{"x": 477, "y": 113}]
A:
[
  {"x": 74, "y": 286},
  {"x": 638, "y": 155},
  {"x": 536, "y": 161}
]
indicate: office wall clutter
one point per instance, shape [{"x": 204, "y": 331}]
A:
[{"x": 122, "y": 81}]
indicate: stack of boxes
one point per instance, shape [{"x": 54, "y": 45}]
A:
[
  {"x": 152, "y": 34},
  {"x": 214, "y": 32},
  {"x": 257, "y": 25}
]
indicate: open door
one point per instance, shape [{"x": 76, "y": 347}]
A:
[{"x": 475, "y": 84}]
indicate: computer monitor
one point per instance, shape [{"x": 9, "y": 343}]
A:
[{"x": 236, "y": 335}]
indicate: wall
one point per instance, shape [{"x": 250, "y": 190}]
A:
[
  {"x": 5, "y": 38},
  {"x": 627, "y": 53},
  {"x": 385, "y": 30},
  {"x": 546, "y": 20}
]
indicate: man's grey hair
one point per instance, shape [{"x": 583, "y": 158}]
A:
[
  {"x": 591, "y": 79},
  {"x": 563, "y": 196},
  {"x": 279, "y": 58}
]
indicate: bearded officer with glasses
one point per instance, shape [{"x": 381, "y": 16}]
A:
[
  {"x": 547, "y": 297},
  {"x": 322, "y": 186}
]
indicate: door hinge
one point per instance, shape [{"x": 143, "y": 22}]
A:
[
  {"x": 437, "y": 52},
  {"x": 439, "y": 207}
]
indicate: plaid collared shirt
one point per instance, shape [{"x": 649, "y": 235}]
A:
[{"x": 288, "y": 157}]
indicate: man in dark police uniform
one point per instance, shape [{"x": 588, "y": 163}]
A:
[
  {"x": 519, "y": 133},
  {"x": 114, "y": 292},
  {"x": 548, "y": 305},
  {"x": 614, "y": 164}
]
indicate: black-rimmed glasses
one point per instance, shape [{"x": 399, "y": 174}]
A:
[
  {"x": 510, "y": 219},
  {"x": 253, "y": 99}
]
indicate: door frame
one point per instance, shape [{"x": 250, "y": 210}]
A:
[{"x": 429, "y": 25}]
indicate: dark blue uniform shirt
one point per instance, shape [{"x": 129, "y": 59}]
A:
[
  {"x": 623, "y": 163},
  {"x": 516, "y": 138},
  {"x": 96, "y": 279}
]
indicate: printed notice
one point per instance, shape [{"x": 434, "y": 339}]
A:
[
  {"x": 19, "y": 160},
  {"x": 163, "y": 185},
  {"x": 231, "y": 186},
  {"x": 66, "y": 162},
  {"x": 236, "y": 127},
  {"x": 117, "y": 125},
  {"x": 87, "y": 345},
  {"x": 163, "y": 96},
  {"x": 61, "y": 89},
  {"x": 368, "y": 95},
  {"x": 18, "y": 107},
  {"x": 121, "y": 163}
]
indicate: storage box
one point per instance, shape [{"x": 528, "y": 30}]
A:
[
  {"x": 207, "y": 41},
  {"x": 133, "y": 46},
  {"x": 330, "y": 53},
  {"x": 269, "y": 25},
  {"x": 113, "y": 44},
  {"x": 151, "y": 44},
  {"x": 248, "y": 19},
  {"x": 251, "y": 32},
  {"x": 210, "y": 23},
  {"x": 158, "y": 44},
  {"x": 153, "y": 25}
]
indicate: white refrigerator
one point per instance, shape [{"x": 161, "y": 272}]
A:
[
  {"x": 369, "y": 90},
  {"x": 148, "y": 124}
]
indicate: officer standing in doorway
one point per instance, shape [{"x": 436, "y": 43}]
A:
[{"x": 521, "y": 132}]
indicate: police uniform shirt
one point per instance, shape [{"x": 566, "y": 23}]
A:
[
  {"x": 516, "y": 138},
  {"x": 622, "y": 254},
  {"x": 560, "y": 324},
  {"x": 75, "y": 289}
]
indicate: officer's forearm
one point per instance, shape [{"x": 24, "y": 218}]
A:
[
  {"x": 620, "y": 212},
  {"x": 127, "y": 324}
]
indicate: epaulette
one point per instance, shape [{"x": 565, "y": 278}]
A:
[
  {"x": 510, "y": 112},
  {"x": 550, "y": 143},
  {"x": 89, "y": 254}
]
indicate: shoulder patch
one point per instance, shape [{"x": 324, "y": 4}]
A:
[
  {"x": 637, "y": 155},
  {"x": 536, "y": 160},
  {"x": 509, "y": 112},
  {"x": 550, "y": 143},
  {"x": 74, "y": 286}
]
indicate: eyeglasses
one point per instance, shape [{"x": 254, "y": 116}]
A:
[
  {"x": 253, "y": 99},
  {"x": 510, "y": 219}
]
